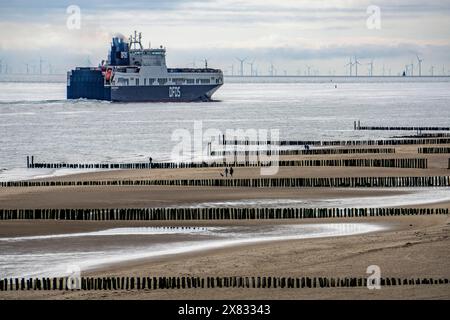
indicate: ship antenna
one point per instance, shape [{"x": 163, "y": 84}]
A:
[{"x": 136, "y": 40}]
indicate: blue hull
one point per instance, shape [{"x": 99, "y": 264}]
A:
[
  {"x": 89, "y": 84},
  {"x": 162, "y": 93}
]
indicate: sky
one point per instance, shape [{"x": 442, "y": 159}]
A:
[{"x": 295, "y": 36}]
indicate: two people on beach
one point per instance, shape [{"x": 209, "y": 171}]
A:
[{"x": 228, "y": 171}]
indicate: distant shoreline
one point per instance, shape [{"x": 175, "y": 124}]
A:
[{"x": 61, "y": 78}]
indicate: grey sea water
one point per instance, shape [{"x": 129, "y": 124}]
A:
[{"x": 35, "y": 118}]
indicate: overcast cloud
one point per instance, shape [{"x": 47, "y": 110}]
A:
[{"x": 290, "y": 34}]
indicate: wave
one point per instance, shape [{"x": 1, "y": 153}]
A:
[
  {"x": 48, "y": 101},
  {"x": 120, "y": 232},
  {"x": 52, "y": 101}
]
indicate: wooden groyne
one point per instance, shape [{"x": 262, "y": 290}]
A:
[
  {"x": 424, "y": 135},
  {"x": 290, "y": 152},
  {"x": 193, "y": 282},
  {"x": 433, "y": 150},
  {"x": 379, "y": 142},
  {"x": 418, "y": 163},
  {"x": 210, "y": 213},
  {"x": 357, "y": 126},
  {"x": 334, "y": 182}
]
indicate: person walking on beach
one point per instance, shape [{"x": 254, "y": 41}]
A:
[
  {"x": 231, "y": 172},
  {"x": 226, "y": 172}
]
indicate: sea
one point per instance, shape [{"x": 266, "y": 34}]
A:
[{"x": 37, "y": 119}]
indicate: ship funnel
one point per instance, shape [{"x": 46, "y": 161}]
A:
[{"x": 119, "y": 53}]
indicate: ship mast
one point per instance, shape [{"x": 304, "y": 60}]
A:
[{"x": 135, "y": 41}]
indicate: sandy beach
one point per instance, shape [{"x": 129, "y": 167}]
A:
[
  {"x": 408, "y": 247},
  {"x": 411, "y": 247}
]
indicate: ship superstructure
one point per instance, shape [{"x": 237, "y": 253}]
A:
[{"x": 135, "y": 74}]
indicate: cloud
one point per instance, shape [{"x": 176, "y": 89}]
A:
[{"x": 288, "y": 30}]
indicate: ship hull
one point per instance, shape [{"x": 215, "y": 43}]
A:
[
  {"x": 186, "y": 93},
  {"x": 89, "y": 84}
]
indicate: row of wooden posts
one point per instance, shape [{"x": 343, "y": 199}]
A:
[
  {"x": 290, "y": 152},
  {"x": 418, "y": 163},
  {"x": 210, "y": 213},
  {"x": 426, "y": 135},
  {"x": 434, "y": 150},
  {"x": 380, "y": 142},
  {"x": 334, "y": 182},
  {"x": 190, "y": 282},
  {"x": 357, "y": 126}
]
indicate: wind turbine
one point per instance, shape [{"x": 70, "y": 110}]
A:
[
  {"x": 26, "y": 64},
  {"x": 412, "y": 68},
  {"x": 40, "y": 65},
  {"x": 1, "y": 66},
  {"x": 350, "y": 66},
  {"x": 232, "y": 69},
  {"x": 432, "y": 70},
  {"x": 356, "y": 66},
  {"x": 242, "y": 65},
  {"x": 251, "y": 67},
  {"x": 271, "y": 69},
  {"x": 420, "y": 65},
  {"x": 371, "y": 68},
  {"x": 309, "y": 70},
  {"x": 206, "y": 62}
]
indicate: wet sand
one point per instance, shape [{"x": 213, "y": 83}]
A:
[
  {"x": 159, "y": 196},
  {"x": 413, "y": 247}
]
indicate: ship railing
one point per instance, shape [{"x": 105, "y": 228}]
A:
[{"x": 192, "y": 70}]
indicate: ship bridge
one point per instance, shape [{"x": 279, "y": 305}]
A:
[{"x": 148, "y": 57}]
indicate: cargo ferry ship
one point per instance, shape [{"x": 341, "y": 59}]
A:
[{"x": 134, "y": 74}]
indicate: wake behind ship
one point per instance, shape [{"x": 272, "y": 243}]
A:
[{"x": 135, "y": 74}]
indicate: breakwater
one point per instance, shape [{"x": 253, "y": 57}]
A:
[
  {"x": 323, "y": 182},
  {"x": 193, "y": 282},
  {"x": 219, "y": 213}
]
